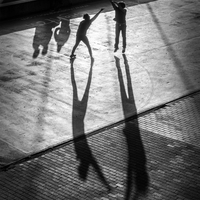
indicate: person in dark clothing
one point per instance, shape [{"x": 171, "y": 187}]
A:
[
  {"x": 120, "y": 18},
  {"x": 82, "y": 31}
]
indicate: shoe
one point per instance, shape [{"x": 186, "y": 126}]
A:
[
  {"x": 123, "y": 50},
  {"x": 36, "y": 53},
  {"x": 116, "y": 49},
  {"x": 72, "y": 56},
  {"x": 44, "y": 51}
]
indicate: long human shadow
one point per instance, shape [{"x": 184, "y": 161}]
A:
[
  {"x": 62, "y": 33},
  {"x": 82, "y": 148},
  {"x": 136, "y": 164},
  {"x": 42, "y": 37}
]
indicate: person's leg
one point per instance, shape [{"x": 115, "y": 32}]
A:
[
  {"x": 117, "y": 32},
  {"x": 86, "y": 41},
  {"x": 75, "y": 46},
  {"x": 124, "y": 38}
]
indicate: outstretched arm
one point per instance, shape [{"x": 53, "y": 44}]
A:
[
  {"x": 117, "y": 6},
  {"x": 93, "y": 18},
  {"x": 114, "y": 4}
]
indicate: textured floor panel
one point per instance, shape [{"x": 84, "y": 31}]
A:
[
  {"x": 179, "y": 120},
  {"x": 156, "y": 160}
]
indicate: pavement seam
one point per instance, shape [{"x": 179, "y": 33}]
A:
[{"x": 59, "y": 146}]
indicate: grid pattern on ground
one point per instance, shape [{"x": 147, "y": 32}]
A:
[
  {"x": 178, "y": 120},
  {"x": 144, "y": 158}
]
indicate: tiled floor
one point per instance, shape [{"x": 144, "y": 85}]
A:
[{"x": 154, "y": 156}]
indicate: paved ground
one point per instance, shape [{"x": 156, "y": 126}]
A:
[
  {"x": 154, "y": 155},
  {"x": 37, "y": 89},
  {"x": 39, "y": 109}
]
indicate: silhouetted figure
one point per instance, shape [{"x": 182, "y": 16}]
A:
[
  {"x": 136, "y": 169},
  {"x": 62, "y": 33},
  {"x": 120, "y": 18},
  {"x": 82, "y": 31},
  {"x": 82, "y": 148},
  {"x": 42, "y": 37}
]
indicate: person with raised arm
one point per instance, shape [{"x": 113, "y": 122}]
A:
[
  {"x": 82, "y": 31},
  {"x": 120, "y": 18}
]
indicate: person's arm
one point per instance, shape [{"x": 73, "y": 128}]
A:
[
  {"x": 120, "y": 8},
  {"x": 93, "y": 18},
  {"x": 117, "y": 6},
  {"x": 114, "y": 4}
]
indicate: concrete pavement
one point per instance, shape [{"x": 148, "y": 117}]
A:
[
  {"x": 36, "y": 88},
  {"x": 154, "y": 156}
]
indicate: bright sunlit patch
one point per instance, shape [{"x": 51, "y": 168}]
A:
[{"x": 42, "y": 92}]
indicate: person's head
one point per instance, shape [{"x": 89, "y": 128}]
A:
[
  {"x": 122, "y": 4},
  {"x": 86, "y": 17}
]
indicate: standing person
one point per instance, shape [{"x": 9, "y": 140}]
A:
[
  {"x": 120, "y": 18},
  {"x": 82, "y": 31}
]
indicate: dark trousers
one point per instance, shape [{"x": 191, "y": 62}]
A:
[{"x": 120, "y": 28}]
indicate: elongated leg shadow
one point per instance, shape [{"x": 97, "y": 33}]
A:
[
  {"x": 136, "y": 164},
  {"x": 82, "y": 148}
]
